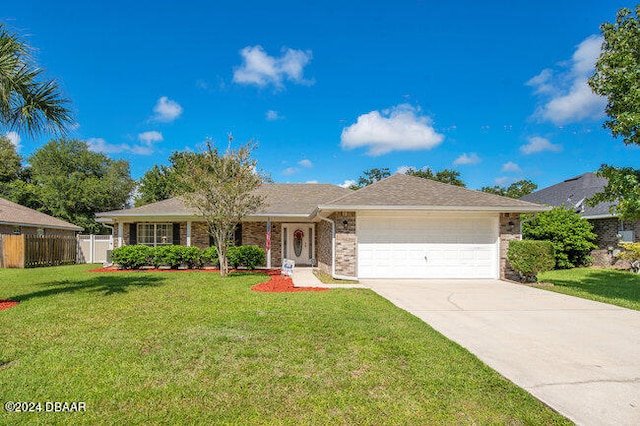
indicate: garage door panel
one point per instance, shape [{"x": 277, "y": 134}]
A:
[{"x": 427, "y": 246}]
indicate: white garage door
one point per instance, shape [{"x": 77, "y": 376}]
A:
[{"x": 427, "y": 245}]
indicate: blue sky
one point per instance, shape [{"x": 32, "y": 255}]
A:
[{"x": 493, "y": 89}]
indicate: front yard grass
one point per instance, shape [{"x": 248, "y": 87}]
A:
[
  {"x": 620, "y": 288},
  {"x": 192, "y": 348}
]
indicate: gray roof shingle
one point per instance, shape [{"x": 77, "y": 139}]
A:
[
  {"x": 12, "y": 213},
  {"x": 573, "y": 193},
  {"x": 403, "y": 191},
  {"x": 281, "y": 199}
]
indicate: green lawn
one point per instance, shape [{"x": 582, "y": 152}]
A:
[
  {"x": 190, "y": 348},
  {"x": 620, "y": 288}
]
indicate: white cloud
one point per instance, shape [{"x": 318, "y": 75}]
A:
[
  {"x": 566, "y": 96},
  {"x": 149, "y": 138},
  {"x": 166, "y": 110},
  {"x": 289, "y": 171},
  {"x": 101, "y": 145},
  {"x": 311, "y": 181},
  {"x": 400, "y": 128},
  {"x": 14, "y": 138},
  {"x": 510, "y": 166},
  {"x": 262, "y": 70},
  {"x": 305, "y": 163},
  {"x": 347, "y": 183},
  {"x": 272, "y": 115},
  {"x": 465, "y": 158},
  {"x": 539, "y": 144},
  {"x": 503, "y": 180}
]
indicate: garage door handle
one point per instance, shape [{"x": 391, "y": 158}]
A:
[{"x": 426, "y": 259}]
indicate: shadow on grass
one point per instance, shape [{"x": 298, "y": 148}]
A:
[
  {"x": 604, "y": 283},
  {"x": 105, "y": 284}
]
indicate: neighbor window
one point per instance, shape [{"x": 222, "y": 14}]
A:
[{"x": 155, "y": 234}]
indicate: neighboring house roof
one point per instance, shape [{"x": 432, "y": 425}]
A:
[
  {"x": 401, "y": 191},
  {"x": 573, "y": 193},
  {"x": 17, "y": 215},
  {"x": 282, "y": 199}
]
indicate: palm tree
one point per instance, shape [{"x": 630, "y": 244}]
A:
[{"x": 28, "y": 103}]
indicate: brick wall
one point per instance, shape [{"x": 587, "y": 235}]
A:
[
  {"x": 323, "y": 246},
  {"x": 346, "y": 244},
  {"x": 509, "y": 230},
  {"x": 255, "y": 234}
]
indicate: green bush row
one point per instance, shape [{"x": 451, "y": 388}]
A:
[
  {"x": 137, "y": 256},
  {"x": 530, "y": 257}
]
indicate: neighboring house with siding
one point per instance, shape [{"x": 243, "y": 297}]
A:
[
  {"x": 399, "y": 227},
  {"x": 572, "y": 194},
  {"x": 16, "y": 219}
]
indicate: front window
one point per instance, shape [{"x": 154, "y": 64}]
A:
[{"x": 155, "y": 234}]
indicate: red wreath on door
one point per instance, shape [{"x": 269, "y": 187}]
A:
[{"x": 298, "y": 234}]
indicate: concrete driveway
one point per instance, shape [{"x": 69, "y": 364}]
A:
[{"x": 580, "y": 357}]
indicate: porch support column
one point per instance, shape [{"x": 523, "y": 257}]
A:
[
  {"x": 120, "y": 233},
  {"x": 188, "y": 233},
  {"x": 268, "y": 243}
]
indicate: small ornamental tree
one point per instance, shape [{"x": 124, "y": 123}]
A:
[
  {"x": 571, "y": 235},
  {"x": 222, "y": 188}
]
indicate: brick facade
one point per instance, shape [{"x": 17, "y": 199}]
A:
[
  {"x": 255, "y": 233},
  {"x": 607, "y": 230},
  {"x": 509, "y": 228},
  {"x": 346, "y": 244},
  {"x": 324, "y": 246}
]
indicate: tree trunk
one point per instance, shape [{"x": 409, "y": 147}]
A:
[{"x": 222, "y": 254}]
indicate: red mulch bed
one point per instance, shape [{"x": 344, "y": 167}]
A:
[
  {"x": 277, "y": 283},
  {"x": 6, "y": 304}
]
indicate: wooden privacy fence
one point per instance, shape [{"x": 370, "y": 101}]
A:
[{"x": 30, "y": 251}]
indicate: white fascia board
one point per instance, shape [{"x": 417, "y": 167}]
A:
[
  {"x": 601, "y": 216},
  {"x": 39, "y": 225},
  {"x": 439, "y": 208}
]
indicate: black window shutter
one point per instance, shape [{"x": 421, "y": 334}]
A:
[
  {"x": 176, "y": 234},
  {"x": 212, "y": 242},
  {"x": 133, "y": 234},
  {"x": 237, "y": 237}
]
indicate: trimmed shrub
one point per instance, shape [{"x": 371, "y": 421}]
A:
[
  {"x": 192, "y": 257},
  {"x": 210, "y": 256},
  {"x": 631, "y": 253},
  {"x": 174, "y": 256},
  {"x": 247, "y": 256},
  {"x": 132, "y": 257},
  {"x": 529, "y": 257},
  {"x": 571, "y": 235}
]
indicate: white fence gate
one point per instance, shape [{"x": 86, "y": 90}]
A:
[{"x": 93, "y": 248}]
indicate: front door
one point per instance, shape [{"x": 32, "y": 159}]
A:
[{"x": 298, "y": 242}]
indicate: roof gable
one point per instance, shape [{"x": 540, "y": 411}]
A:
[
  {"x": 17, "y": 214},
  {"x": 403, "y": 191},
  {"x": 572, "y": 193}
]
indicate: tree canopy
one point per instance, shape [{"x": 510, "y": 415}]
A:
[
  {"x": 617, "y": 75},
  {"x": 10, "y": 161},
  {"x": 222, "y": 188},
  {"x": 516, "y": 190},
  {"x": 445, "y": 176},
  {"x": 622, "y": 189},
  {"x": 72, "y": 183},
  {"x": 28, "y": 102}
]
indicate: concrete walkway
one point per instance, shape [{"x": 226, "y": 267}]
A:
[
  {"x": 304, "y": 277},
  {"x": 580, "y": 357}
]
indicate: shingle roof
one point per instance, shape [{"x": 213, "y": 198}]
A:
[
  {"x": 403, "y": 191},
  {"x": 281, "y": 199},
  {"x": 573, "y": 192},
  {"x": 12, "y": 213}
]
